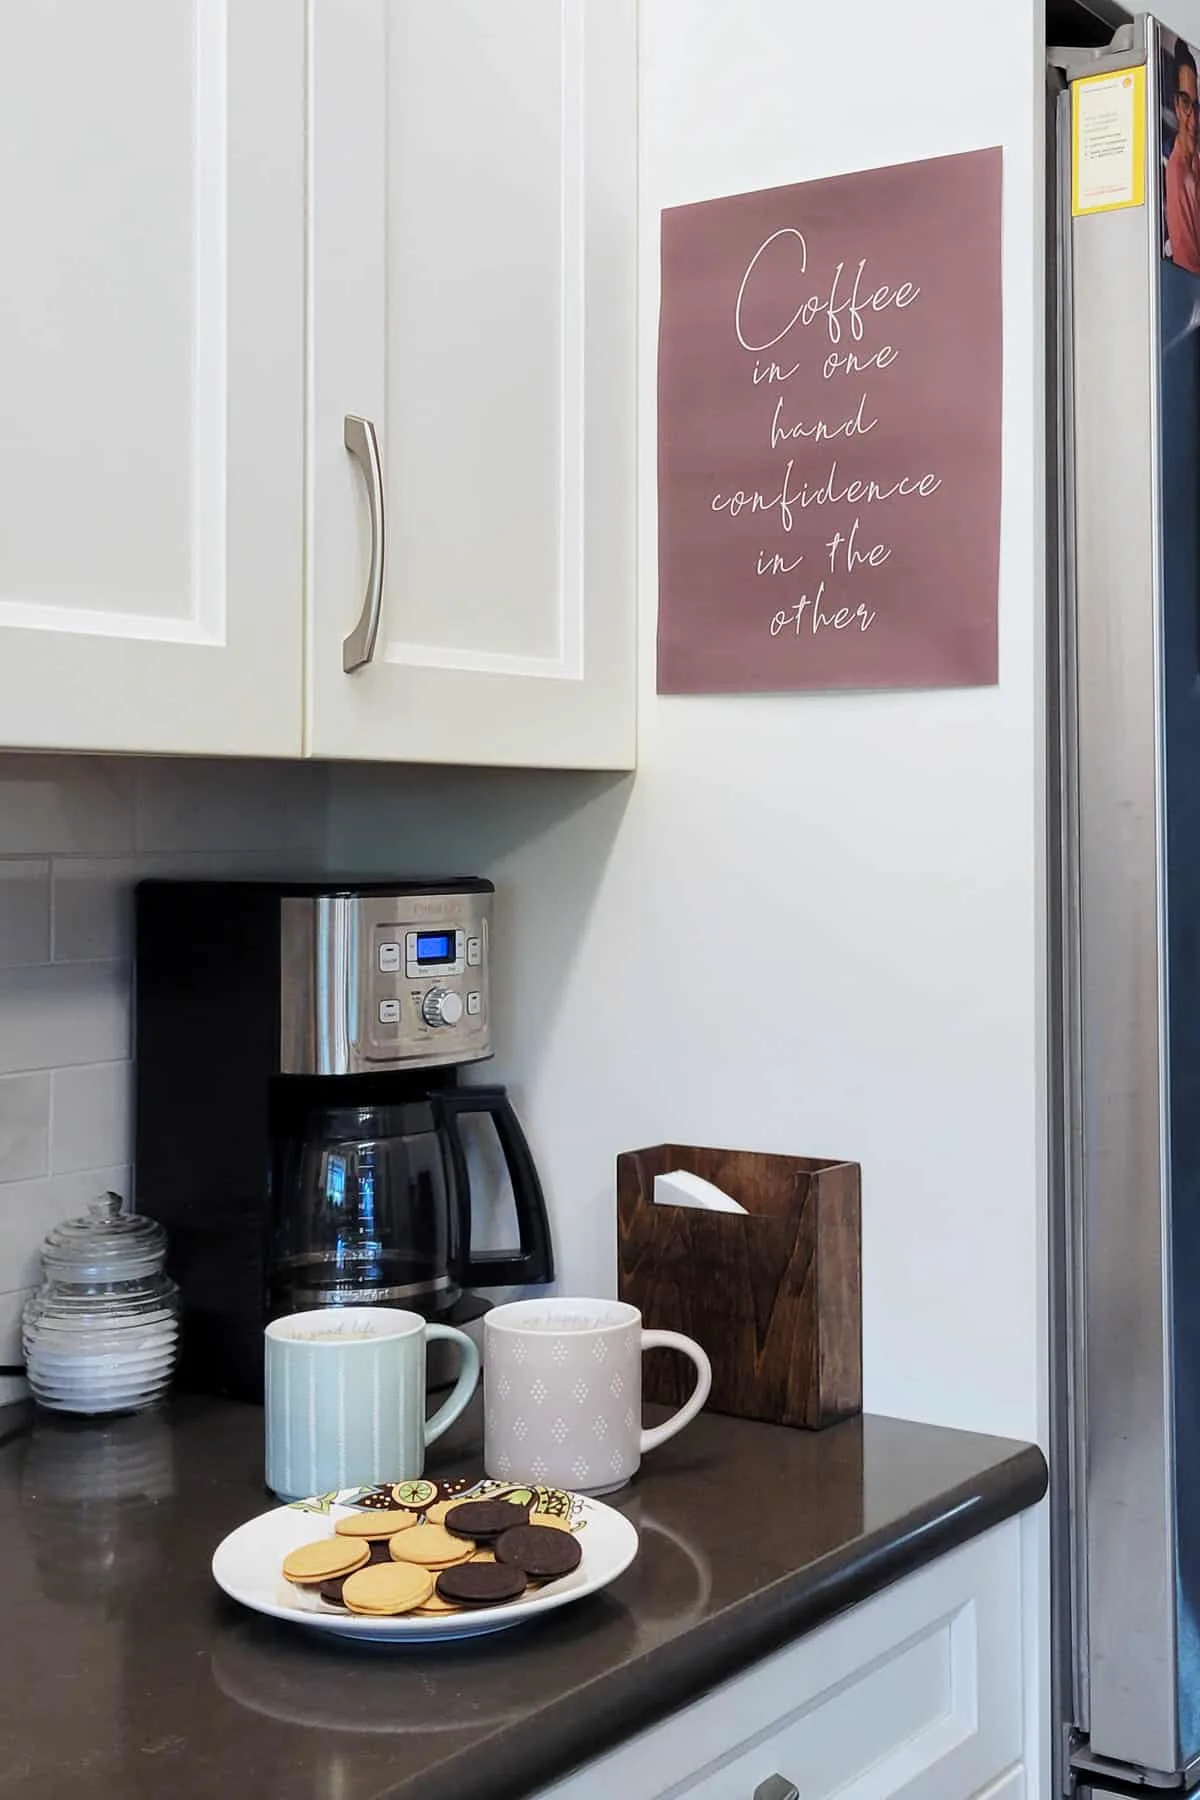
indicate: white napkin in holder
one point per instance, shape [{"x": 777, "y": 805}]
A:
[{"x": 679, "y": 1188}]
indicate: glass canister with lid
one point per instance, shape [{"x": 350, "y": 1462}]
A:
[{"x": 101, "y": 1333}]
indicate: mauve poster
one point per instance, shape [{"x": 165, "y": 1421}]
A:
[{"x": 829, "y": 433}]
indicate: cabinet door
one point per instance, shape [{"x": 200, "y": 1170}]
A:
[
  {"x": 151, "y": 375},
  {"x": 914, "y": 1695},
  {"x": 472, "y": 259}
]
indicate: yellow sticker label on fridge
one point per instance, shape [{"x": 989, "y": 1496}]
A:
[{"x": 1108, "y": 141}]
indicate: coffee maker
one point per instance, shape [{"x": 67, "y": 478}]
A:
[{"x": 298, "y": 1124}]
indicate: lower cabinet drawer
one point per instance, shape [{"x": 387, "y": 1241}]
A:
[{"x": 916, "y": 1693}]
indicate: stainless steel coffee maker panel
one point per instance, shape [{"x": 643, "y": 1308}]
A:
[{"x": 378, "y": 981}]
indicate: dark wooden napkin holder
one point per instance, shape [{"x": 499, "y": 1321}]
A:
[{"x": 773, "y": 1295}]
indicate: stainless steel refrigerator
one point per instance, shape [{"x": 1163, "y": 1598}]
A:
[{"x": 1124, "y": 438}]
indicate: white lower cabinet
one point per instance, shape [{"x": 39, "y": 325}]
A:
[{"x": 916, "y": 1693}]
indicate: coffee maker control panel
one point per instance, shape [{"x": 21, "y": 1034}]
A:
[{"x": 374, "y": 981}]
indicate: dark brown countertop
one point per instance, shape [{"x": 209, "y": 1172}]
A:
[{"x": 129, "y": 1676}]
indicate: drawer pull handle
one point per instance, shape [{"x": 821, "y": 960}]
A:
[
  {"x": 363, "y": 445},
  {"x": 777, "y": 1787}
]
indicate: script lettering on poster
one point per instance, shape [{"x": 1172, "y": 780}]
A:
[{"x": 829, "y": 452}]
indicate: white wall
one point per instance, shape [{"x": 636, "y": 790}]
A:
[
  {"x": 1181, "y": 15},
  {"x": 890, "y": 845}
]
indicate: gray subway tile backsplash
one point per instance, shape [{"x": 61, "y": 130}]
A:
[
  {"x": 246, "y": 806},
  {"x": 24, "y": 911},
  {"x": 93, "y": 908},
  {"x": 29, "y": 1208},
  {"x": 81, "y": 805},
  {"x": 76, "y": 833},
  {"x": 57, "y": 1014},
  {"x": 24, "y": 1126},
  {"x": 90, "y": 1119},
  {"x": 11, "y": 1305}
]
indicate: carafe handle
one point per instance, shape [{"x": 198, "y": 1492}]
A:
[{"x": 533, "y": 1259}]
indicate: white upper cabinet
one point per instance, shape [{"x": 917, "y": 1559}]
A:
[
  {"x": 472, "y": 248},
  {"x": 151, "y": 375},
  {"x": 186, "y": 540}
]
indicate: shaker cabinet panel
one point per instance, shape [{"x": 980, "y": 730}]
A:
[
  {"x": 151, "y": 368},
  {"x": 914, "y": 1695},
  {"x": 472, "y": 244},
  {"x": 230, "y": 227}
]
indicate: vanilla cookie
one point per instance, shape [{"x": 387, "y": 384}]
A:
[
  {"x": 387, "y": 1588},
  {"x": 374, "y": 1524},
  {"x": 311, "y": 1564},
  {"x": 430, "y": 1545}
]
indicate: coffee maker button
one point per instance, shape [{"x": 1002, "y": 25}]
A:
[
  {"x": 389, "y": 1012},
  {"x": 389, "y": 958},
  {"x": 442, "y": 1007},
  {"x": 474, "y": 1005},
  {"x": 474, "y": 952}
]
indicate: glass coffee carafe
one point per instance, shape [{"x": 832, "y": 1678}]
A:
[{"x": 372, "y": 1203}]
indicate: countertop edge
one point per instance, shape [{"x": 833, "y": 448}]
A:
[{"x": 628, "y": 1701}]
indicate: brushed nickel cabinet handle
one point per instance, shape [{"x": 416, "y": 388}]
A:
[
  {"x": 363, "y": 445},
  {"x": 776, "y": 1787}
]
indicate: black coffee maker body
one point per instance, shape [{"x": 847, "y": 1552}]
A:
[{"x": 299, "y": 1119}]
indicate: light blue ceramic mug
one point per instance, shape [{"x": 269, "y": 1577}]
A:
[{"x": 345, "y": 1398}]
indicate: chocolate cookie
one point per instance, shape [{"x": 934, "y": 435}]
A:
[
  {"x": 331, "y": 1591},
  {"x": 480, "y": 1584},
  {"x": 544, "y": 1554},
  {"x": 450, "y": 1493},
  {"x": 436, "y": 1608},
  {"x": 484, "y": 1520}
]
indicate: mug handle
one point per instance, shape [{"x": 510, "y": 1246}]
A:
[
  {"x": 674, "y": 1340},
  {"x": 464, "y": 1387}
]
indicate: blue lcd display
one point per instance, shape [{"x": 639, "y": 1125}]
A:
[{"x": 435, "y": 946}]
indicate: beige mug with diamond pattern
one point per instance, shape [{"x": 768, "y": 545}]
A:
[{"x": 562, "y": 1392}]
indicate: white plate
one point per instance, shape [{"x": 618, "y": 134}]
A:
[{"x": 248, "y": 1566}]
